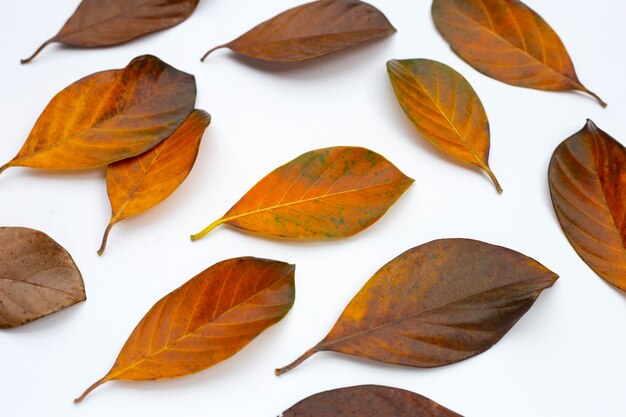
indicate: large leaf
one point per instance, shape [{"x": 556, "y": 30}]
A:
[
  {"x": 37, "y": 277},
  {"x": 437, "y": 304},
  {"x": 137, "y": 184},
  {"x": 205, "y": 321},
  {"x": 587, "y": 179},
  {"x": 112, "y": 22},
  {"x": 109, "y": 116},
  {"x": 312, "y": 30},
  {"x": 326, "y": 193},
  {"x": 506, "y": 40},
  {"x": 368, "y": 401},
  {"x": 444, "y": 107}
]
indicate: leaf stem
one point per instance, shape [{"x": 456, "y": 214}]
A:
[
  {"x": 598, "y": 99},
  {"x": 305, "y": 356},
  {"x": 207, "y": 230},
  {"x": 3, "y": 168},
  {"x": 43, "y": 45},
  {"x": 91, "y": 388},
  {"x": 105, "y": 238},
  {"x": 211, "y": 50},
  {"x": 493, "y": 178}
]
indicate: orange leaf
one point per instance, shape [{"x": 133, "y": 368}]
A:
[
  {"x": 326, "y": 193},
  {"x": 587, "y": 179},
  {"x": 109, "y": 116},
  {"x": 137, "y": 184},
  {"x": 506, "y": 40},
  {"x": 205, "y": 321},
  {"x": 444, "y": 107}
]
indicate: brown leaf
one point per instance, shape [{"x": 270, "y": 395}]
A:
[
  {"x": 109, "y": 116},
  {"x": 112, "y": 22},
  {"x": 587, "y": 177},
  {"x": 205, "y": 321},
  {"x": 368, "y": 401},
  {"x": 444, "y": 107},
  {"x": 506, "y": 40},
  {"x": 311, "y": 31},
  {"x": 137, "y": 184},
  {"x": 437, "y": 304},
  {"x": 326, "y": 193},
  {"x": 37, "y": 277}
]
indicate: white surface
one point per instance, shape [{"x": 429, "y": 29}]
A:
[{"x": 564, "y": 358}]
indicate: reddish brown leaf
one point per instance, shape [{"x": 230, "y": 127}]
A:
[
  {"x": 587, "y": 179},
  {"x": 109, "y": 116},
  {"x": 437, "y": 304},
  {"x": 205, "y": 321},
  {"x": 37, "y": 277},
  {"x": 137, "y": 184},
  {"x": 368, "y": 401},
  {"x": 506, "y": 40},
  {"x": 326, "y": 193},
  {"x": 112, "y": 22},
  {"x": 311, "y": 31}
]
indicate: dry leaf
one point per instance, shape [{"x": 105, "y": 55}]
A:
[
  {"x": 444, "y": 107},
  {"x": 112, "y": 22},
  {"x": 368, "y": 401},
  {"x": 311, "y": 31},
  {"x": 109, "y": 116},
  {"x": 506, "y": 40},
  {"x": 437, "y": 304},
  {"x": 205, "y": 321},
  {"x": 137, "y": 184},
  {"x": 587, "y": 179},
  {"x": 37, "y": 277},
  {"x": 326, "y": 193}
]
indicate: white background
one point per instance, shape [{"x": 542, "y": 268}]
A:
[{"x": 564, "y": 358}]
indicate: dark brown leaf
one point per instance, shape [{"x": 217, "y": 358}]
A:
[
  {"x": 37, "y": 277},
  {"x": 311, "y": 31}
]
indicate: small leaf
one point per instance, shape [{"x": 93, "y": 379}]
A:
[
  {"x": 444, "y": 107},
  {"x": 437, "y": 304},
  {"x": 587, "y": 177},
  {"x": 109, "y": 116},
  {"x": 205, "y": 321},
  {"x": 311, "y": 31},
  {"x": 368, "y": 401},
  {"x": 326, "y": 193},
  {"x": 37, "y": 277},
  {"x": 508, "y": 41},
  {"x": 137, "y": 184},
  {"x": 112, "y": 22}
]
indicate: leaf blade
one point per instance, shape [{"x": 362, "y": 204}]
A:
[{"x": 327, "y": 193}]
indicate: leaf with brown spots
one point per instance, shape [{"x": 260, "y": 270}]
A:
[
  {"x": 137, "y": 184},
  {"x": 437, "y": 304},
  {"x": 205, "y": 321},
  {"x": 368, "y": 401},
  {"x": 109, "y": 116},
  {"x": 508, "y": 41},
  {"x": 444, "y": 107},
  {"x": 311, "y": 31},
  {"x": 37, "y": 277},
  {"x": 98, "y": 23},
  {"x": 327, "y": 193},
  {"x": 587, "y": 177}
]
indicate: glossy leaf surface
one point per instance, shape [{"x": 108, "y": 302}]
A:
[
  {"x": 112, "y": 22},
  {"x": 37, "y": 277},
  {"x": 506, "y": 40},
  {"x": 205, "y": 321},
  {"x": 109, "y": 116},
  {"x": 437, "y": 304},
  {"x": 444, "y": 107},
  {"x": 137, "y": 184},
  {"x": 311, "y": 31},
  {"x": 587, "y": 177},
  {"x": 326, "y": 193},
  {"x": 368, "y": 401}
]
